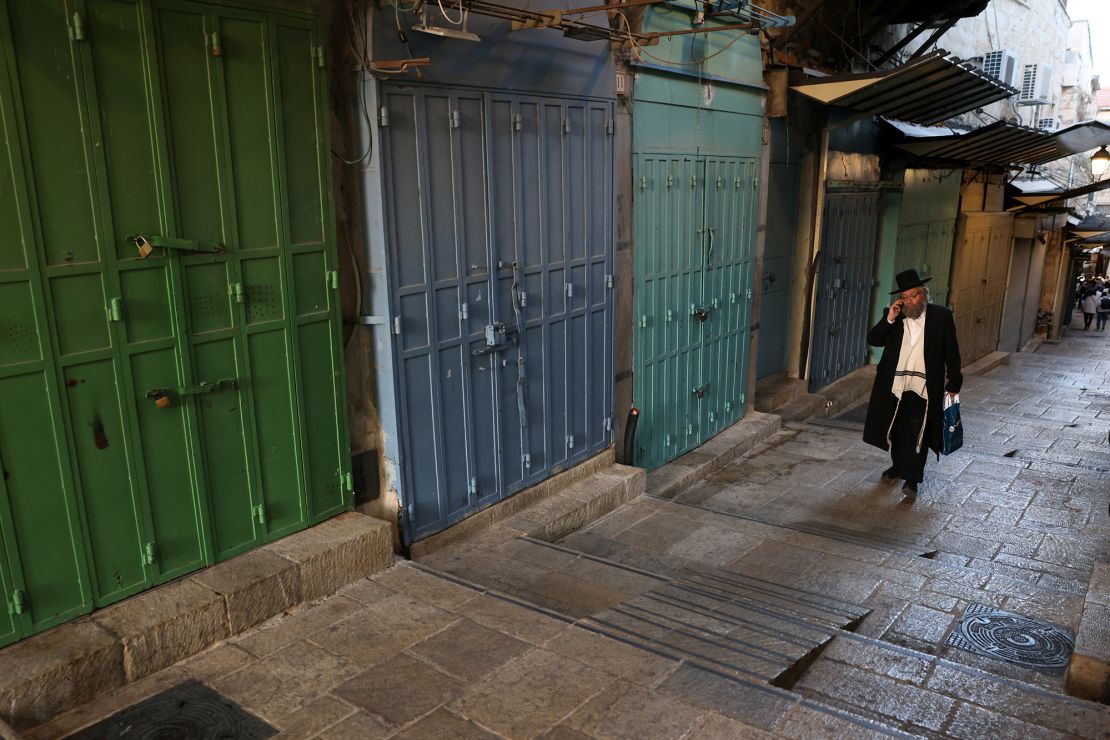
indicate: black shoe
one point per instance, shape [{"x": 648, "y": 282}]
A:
[
  {"x": 890, "y": 475},
  {"x": 909, "y": 488}
]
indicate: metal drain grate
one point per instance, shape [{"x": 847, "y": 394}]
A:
[
  {"x": 187, "y": 711},
  {"x": 1013, "y": 638}
]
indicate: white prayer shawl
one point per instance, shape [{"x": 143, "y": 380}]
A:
[{"x": 909, "y": 375}]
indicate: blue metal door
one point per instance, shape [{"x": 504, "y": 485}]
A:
[
  {"x": 844, "y": 276},
  {"x": 500, "y": 234}
]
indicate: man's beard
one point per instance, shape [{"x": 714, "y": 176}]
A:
[{"x": 912, "y": 312}]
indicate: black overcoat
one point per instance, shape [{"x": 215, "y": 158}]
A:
[{"x": 942, "y": 372}]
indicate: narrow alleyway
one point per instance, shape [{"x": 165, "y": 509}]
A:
[{"x": 790, "y": 594}]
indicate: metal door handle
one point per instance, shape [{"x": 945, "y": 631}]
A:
[
  {"x": 701, "y": 314},
  {"x": 709, "y": 257}
]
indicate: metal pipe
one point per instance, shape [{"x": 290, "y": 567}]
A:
[{"x": 628, "y": 456}]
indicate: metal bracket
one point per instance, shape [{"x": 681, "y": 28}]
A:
[
  {"x": 498, "y": 337},
  {"x": 18, "y": 602}
]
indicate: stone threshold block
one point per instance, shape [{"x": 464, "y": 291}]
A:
[
  {"x": 75, "y": 662},
  {"x": 668, "y": 480},
  {"x": 1088, "y": 674},
  {"x": 513, "y": 505},
  {"x": 985, "y": 364}
]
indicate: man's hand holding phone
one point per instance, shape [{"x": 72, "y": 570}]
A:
[{"x": 895, "y": 311}]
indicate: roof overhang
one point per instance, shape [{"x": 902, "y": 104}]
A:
[
  {"x": 927, "y": 90},
  {"x": 1002, "y": 143}
]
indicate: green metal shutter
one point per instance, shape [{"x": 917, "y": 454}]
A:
[{"x": 205, "y": 131}]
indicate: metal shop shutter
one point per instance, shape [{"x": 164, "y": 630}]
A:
[
  {"x": 160, "y": 414},
  {"x": 500, "y": 244},
  {"x": 1009, "y": 339},
  {"x": 845, "y": 268},
  {"x": 694, "y": 229}
]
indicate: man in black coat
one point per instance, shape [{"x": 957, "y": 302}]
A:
[{"x": 920, "y": 364}]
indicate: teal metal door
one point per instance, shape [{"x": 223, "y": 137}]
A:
[
  {"x": 166, "y": 410},
  {"x": 693, "y": 229}
]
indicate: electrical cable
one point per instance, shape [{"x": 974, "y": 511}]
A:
[
  {"x": 449, "y": 19},
  {"x": 674, "y": 63}
]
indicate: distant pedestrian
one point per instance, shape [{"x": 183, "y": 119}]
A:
[
  {"x": 1090, "y": 306},
  {"x": 1103, "y": 312},
  {"x": 920, "y": 364}
]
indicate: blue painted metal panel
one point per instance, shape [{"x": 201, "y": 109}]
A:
[
  {"x": 499, "y": 209},
  {"x": 845, "y": 268}
]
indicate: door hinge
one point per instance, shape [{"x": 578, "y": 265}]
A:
[
  {"x": 236, "y": 290},
  {"x": 568, "y": 288},
  {"x": 609, "y": 127},
  {"x": 693, "y": 181},
  {"x": 719, "y": 181},
  {"x": 643, "y": 182},
  {"x": 260, "y": 514},
  {"x": 115, "y": 309},
  {"x": 609, "y": 280},
  {"x": 383, "y": 116},
  {"x": 643, "y": 321},
  {"x": 749, "y": 292},
  {"x": 214, "y": 47},
  {"x": 333, "y": 279},
  {"x": 472, "y": 485},
  {"x": 755, "y": 182},
  {"x": 566, "y": 124},
  {"x": 570, "y": 441},
  {"x": 18, "y": 602},
  {"x": 670, "y": 181},
  {"x": 689, "y": 429},
  {"x": 348, "y": 483},
  {"x": 149, "y": 554},
  {"x": 608, "y": 423},
  {"x": 666, "y": 440},
  {"x": 526, "y": 460},
  {"x": 77, "y": 28},
  {"x": 321, "y": 62},
  {"x": 464, "y": 311},
  {"x": 455, "y": 120},
  {"x": 518, "y": 122},
  {"x": 397, "y": 325},
  {"x": 737, "y": 183}
]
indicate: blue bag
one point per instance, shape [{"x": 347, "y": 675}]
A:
[{"x": 952, "y": 436}]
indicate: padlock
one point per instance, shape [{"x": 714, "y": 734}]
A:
[
  {"x": 162, "y": 401},
  {"x": 141, "y": 243}
]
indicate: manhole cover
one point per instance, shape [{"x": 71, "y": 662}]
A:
[
  {"x": 188, "y": 711},
  {"x": 1013, "y": 638}
]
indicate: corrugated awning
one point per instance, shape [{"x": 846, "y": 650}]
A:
[
  {"x": 1003, "y": 143},
  {"x": 999, "y": 143},
  {"x": 1067, "y": 194},
  {"x": 927, "y": 90}
]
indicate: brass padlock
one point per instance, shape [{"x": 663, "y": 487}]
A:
[
  {"x": 162, "y": 400},
  {"x": 141, "y": 243}
]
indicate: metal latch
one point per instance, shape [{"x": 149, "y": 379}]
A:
[
  {"x": 260, "y": 514},
  {"x": 146, "y": 245},
  {"x": 163, "y": 397},
  {"x": 149, "y": 554},
  {"x": 498, "y": 337}
]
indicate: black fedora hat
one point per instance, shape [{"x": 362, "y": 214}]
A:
[{"x": 908, "y": 279}]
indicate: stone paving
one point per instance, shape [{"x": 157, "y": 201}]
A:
[{"x": 789, "y": 594}]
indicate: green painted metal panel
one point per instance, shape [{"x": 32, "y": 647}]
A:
[
  {"x": 734, "y": 57},
  {"x": 136, "y": 125},
  {"x": 45, "y": 548}
]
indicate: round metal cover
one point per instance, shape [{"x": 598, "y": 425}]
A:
[{"x": 1013, "y": 638}]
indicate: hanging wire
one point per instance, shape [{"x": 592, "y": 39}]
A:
[
  {"x": 675, "y": 63},
  {"x": 449, "y": 19}
]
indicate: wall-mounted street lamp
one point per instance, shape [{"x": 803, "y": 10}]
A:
[{"x": 1099, "y": 162}]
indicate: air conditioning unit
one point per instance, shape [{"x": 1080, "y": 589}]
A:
[
  {"x": 1003, "y": 65},
  {"x": 1036, "y": 85},
  {"x": 1048, "y": 124}
]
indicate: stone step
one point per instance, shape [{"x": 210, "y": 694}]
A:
[
  {"x": 549, "y": 494},
  {"x": 727, "y": 653},
  {"x": 1088, "y": 675},
  {"x": 934, "y": 697},
  {"x": 77, "y": 661}
]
